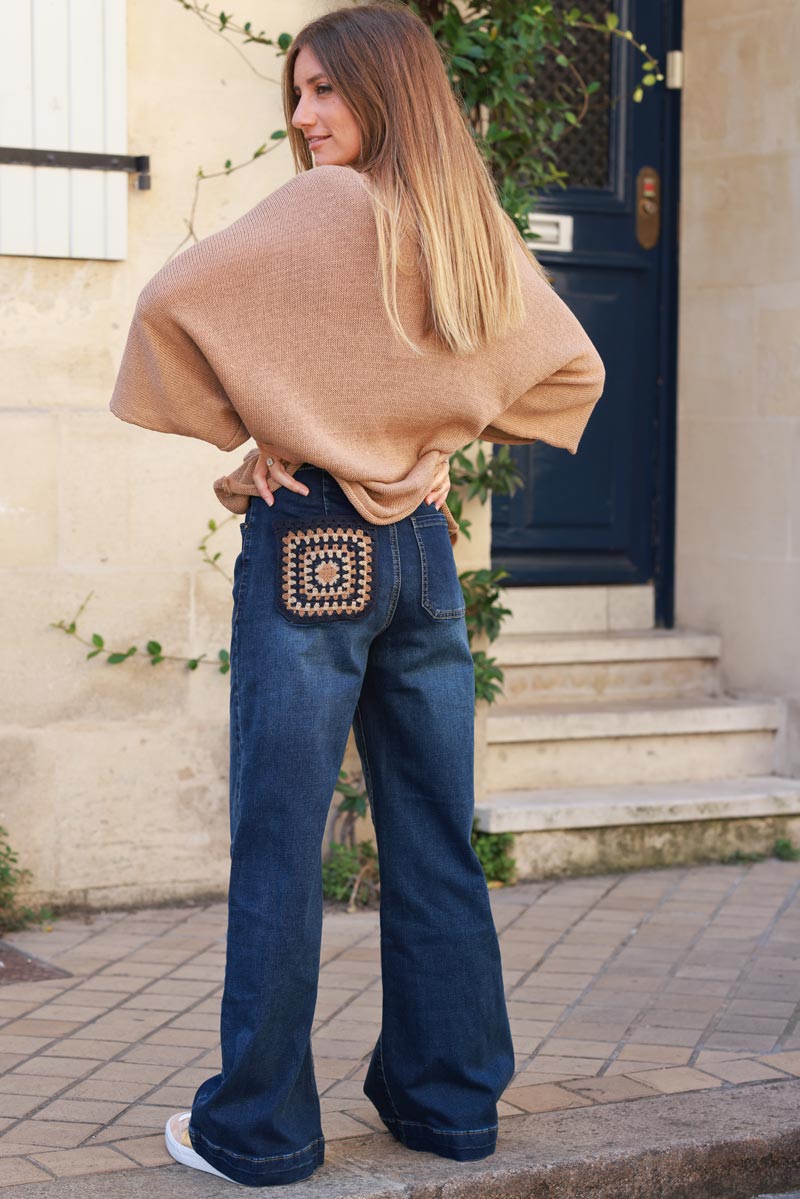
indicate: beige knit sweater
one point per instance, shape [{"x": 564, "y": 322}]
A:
[{"x": 274, "y": 328}]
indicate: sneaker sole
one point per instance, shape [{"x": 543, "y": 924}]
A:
[{"x": 187, "y": 1156}]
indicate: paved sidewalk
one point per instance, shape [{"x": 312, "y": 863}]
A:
[{"x": 623, "y": 989}]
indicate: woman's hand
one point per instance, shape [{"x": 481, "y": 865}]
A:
[
  {"x": 438, "y": 494},
  {"x": 263, "y": 473}
]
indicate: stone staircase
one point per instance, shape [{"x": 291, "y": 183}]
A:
[{"x": 615, "y": 746}]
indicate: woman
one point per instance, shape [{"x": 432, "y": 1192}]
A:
[{"x": 361, "y": 324}]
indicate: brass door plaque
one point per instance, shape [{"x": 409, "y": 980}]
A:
[{"x": 648, "y": 207}]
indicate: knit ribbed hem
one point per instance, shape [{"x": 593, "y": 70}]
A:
[{"x": 275, "y": 1170}]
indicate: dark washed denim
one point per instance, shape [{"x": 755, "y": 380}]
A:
[{"x": 400, "y": 671}]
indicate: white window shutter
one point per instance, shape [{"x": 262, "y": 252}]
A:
[{"x": 63, "y": 87}]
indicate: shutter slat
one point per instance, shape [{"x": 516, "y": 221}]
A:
[
  {"x": 51, "y": 126},
  {"x": 63, "y": 87},
  {"x": 116, "y": 109},
  {"x": 17, "y": 223},
  {"x": 87, "y": 125}
]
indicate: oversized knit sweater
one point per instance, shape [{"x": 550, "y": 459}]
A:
[{"x": 274, "y": 328}]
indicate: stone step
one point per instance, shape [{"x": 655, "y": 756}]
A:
[
  {"x": 621, "y": 664},
  {"x": 594, "y": 609},
  {"x": 638, "y": 803},
  {"x": 719, "y": 1140},
  {"x": 560, "y": 745}
]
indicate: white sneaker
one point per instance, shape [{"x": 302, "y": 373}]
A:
[{"x": 179, "y": 1146}]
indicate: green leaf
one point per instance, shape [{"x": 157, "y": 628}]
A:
[
  {"x": 113, "y": 659},
  {"x": 97, "y": 640},
  {"x": 192, "y": 664},
  {"x": 562, "y": 60},
  {"x": 569, "y": 115},
  {"x": 93, "y": 652},
  {"x": 648, "y": 80},
  {"x": 464, "y": 64},
  {"x": 156, "y": 659},
  {"x": 612, "y": 20},
  {"x": 285, "y": 41},
  {"x": 153, "y": 647},
  {"x": 637, "y": 95},
  {"x": 593, "y": 86}
]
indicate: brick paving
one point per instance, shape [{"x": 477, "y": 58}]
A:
[{"x": 620, "y": 987}]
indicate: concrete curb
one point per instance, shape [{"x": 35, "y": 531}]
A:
[{"x": 727, "y": 1144}]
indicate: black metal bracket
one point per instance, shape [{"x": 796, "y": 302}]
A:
[{"x": 136, "y": 164}]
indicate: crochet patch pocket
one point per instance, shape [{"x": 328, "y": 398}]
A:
[{"x": 326, "y": 569}]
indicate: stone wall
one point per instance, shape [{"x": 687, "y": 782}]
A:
[{"x": 738, "y": 511}]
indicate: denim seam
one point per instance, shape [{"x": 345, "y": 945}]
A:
[
  {"x": 246, "y": 1157},
  {"x": 436, "y": 613},
  {"x": 246, "y": 528},
  {"x": 235, "y": 668},
  {"x": 365, "y": 763},
  {"x": 383, "y": 1079},
  {"x": 397, "y": 579},
  {"x": 235, "y": 697},
  {"x": 445, "y": 1132}
]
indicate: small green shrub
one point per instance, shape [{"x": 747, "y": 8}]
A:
[
  {"x": 14, "y": 915},
  {"x": 351, "y": 874},
  {"x": 742, "y": 855},
  {"x": 493, "y": 852},
  {"x": 784, "y": 849}
]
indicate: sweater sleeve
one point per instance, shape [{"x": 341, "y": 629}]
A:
[
  {"x": 166, "y": 383},
  {"x": 563, "y": 374}
]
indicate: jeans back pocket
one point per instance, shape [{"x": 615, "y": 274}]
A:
[
  {"x": 325, "y": 568},
  {"x": 442, "y": 595}
]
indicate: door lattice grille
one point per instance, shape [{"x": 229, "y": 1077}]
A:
[{"x": 583, "y": 151}]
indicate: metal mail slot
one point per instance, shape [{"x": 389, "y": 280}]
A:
[{"x": 554, "y": 231}]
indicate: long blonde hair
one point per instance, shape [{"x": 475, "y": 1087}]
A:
[{"x": 431, "y": 187}]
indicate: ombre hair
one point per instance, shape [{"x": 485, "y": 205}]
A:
[{"x": 432, "y": 190}]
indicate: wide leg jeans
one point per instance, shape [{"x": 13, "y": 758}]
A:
[{"x": 340, "y": 623}]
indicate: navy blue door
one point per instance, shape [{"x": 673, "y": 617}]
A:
[{"x": 605, "y": 515}]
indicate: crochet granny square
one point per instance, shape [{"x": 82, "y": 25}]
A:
[{"x": 326, "y": 571}]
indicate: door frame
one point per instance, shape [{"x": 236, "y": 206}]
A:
[{"x": 664, "y": 441}]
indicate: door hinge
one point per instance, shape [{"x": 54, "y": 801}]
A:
[
  {"x": 674, "y": 72},
  {"x": 136, "y": 164}
]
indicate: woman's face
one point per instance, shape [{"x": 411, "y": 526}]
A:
[{"x": 321, "y": 113}]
